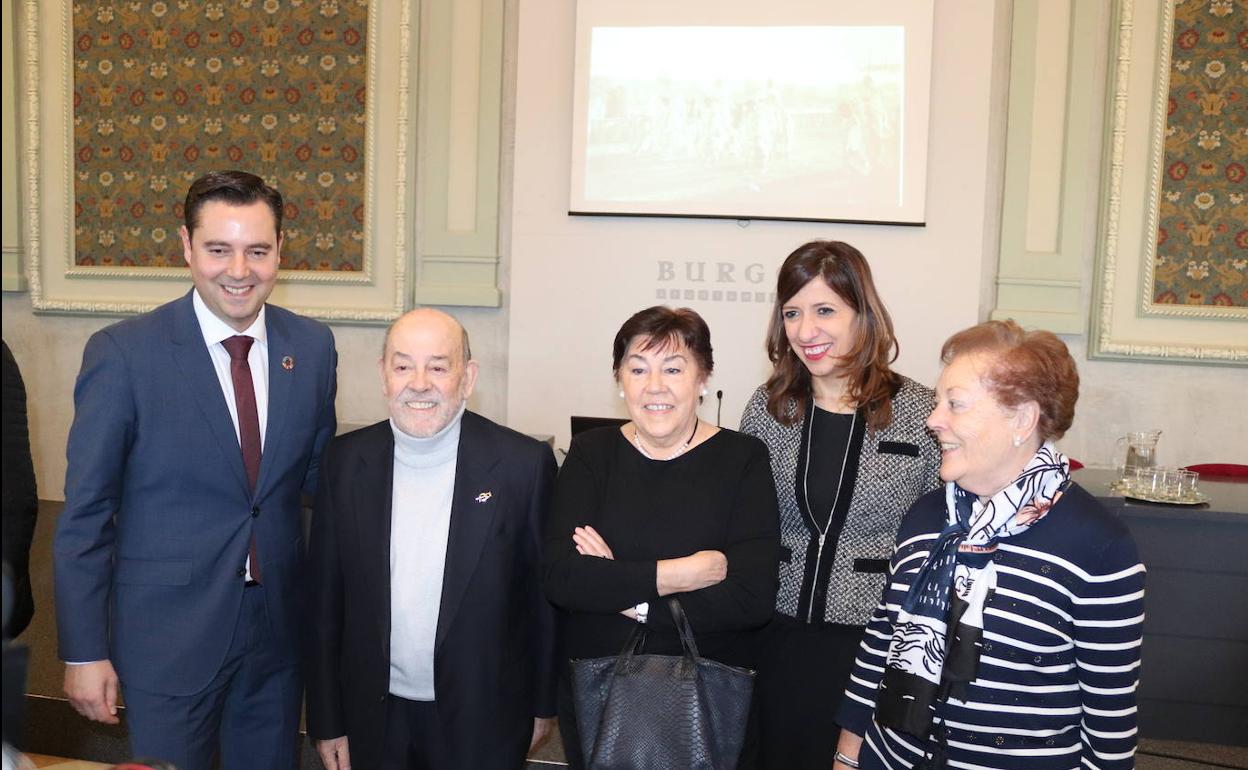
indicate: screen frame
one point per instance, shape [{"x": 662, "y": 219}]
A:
[{"x": 915, "y": 16}]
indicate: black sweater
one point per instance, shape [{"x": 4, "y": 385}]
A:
[
  {"x": 717, "y": 496},
  {"x": 21, "y": 500}
]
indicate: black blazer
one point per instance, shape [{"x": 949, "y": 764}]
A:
[
  {"x": 494, "y": 649},
  {"x": 21, "y": 501}
]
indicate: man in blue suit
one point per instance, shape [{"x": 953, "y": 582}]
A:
[{"x": 178, "y": 555}]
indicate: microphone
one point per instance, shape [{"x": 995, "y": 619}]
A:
[{"x": 719, "y": 409}]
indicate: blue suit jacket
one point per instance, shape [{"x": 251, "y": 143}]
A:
[{"x": 158, "y": 516}]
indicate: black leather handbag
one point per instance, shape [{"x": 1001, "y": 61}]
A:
[{"x": 636, "y": 712}]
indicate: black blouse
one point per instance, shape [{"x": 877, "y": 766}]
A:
[
  {"x": 717, "y": 496},
  {"x": 829, "y": 443}
]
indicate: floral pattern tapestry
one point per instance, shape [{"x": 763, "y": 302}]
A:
[
  {"x": 166, "y": 91},
  {"x": 1202, "y": 237}
]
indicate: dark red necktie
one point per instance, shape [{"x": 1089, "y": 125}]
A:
[{"x": 248, "y": 420}]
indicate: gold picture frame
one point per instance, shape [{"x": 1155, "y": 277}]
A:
[
  {"x": 1126, "y": 322},
  {"x": 378, "y": 293}
]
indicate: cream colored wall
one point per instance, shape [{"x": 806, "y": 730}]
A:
[
  {"x": 574, "y": 280},
  {"x": 1202, "y": 411}
]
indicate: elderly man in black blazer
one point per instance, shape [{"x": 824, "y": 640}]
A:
[{"x": 432, "y": 645}]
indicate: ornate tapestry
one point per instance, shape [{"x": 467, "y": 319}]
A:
[
  {"x": 1202, "y": 237},
  {"x": 166, "y": 91}
]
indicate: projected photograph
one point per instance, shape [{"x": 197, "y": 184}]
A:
[
  {"x": 787, "y": 122},
  {"x": 695, "y": 119}
]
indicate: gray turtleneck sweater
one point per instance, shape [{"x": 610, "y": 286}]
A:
[{"x": 420, "y": 523}]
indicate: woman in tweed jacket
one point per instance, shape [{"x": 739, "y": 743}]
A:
[{"x": 850, "y": 453}]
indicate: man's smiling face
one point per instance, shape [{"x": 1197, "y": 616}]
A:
[
  {"x": 425, "y": 376},
  {"x": 233, "y": 254}
]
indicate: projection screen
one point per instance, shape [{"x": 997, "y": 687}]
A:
[{"x": 813, "y": 110}]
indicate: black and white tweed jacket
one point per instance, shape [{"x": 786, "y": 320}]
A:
[{"x": 891, "y": 469}]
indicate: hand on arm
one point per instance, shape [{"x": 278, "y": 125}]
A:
[
  {"x": 571, "y": 581},
  {"x": 590, "y": 543},
  {"x": 733, "y": 587},
  {"x": 334, "y": 753},
  {"x": 605, "y": 584},
  {"x": 688, "y": 573},
  {"x": 92, "y": 690},
  {"x": 691, "y": 573}
]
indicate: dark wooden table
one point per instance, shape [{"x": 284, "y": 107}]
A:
[{"x": 1194, "y": 675}]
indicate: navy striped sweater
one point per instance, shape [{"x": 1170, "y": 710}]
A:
[{"x": 1061, "y": 648}]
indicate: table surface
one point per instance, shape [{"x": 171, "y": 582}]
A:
[
  {"x": 1194, "y": 610},
  {"x": 1228, "y": 497}
]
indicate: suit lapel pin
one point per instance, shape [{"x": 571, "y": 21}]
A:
[
  {"x": 288, "y": 362},
  {"x": 484, "y": 496}
]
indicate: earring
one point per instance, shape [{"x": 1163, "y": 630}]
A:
[
  {"x": 621, "y": 394},
  {"x": 1018, "y": 441},
  {"x": 703, "y": 393}
]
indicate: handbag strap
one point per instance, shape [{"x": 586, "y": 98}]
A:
[
  {"x": 635, "y": 640},
  {"x": 681, "y": 620},
  {"x": 689, "y": 648}
]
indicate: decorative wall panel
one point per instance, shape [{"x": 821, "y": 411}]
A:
[
  {"x": 311, "y": 93},
  {"x": 1171, "y": 264},
  {"x": 1202, "y": 229},
  {"x": 165, "y": 91}
]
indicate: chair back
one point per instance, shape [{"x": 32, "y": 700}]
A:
[
  {"x": 581, "y": 424},
  {"x": 1223, "y": 470}
]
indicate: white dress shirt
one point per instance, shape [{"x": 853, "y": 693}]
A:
[{"x": 215, "y": 331}]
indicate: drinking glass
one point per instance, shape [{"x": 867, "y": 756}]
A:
[
  {"x": 1188, "y": 485},
  {"x": 1144, "y": 482},
  {"x": 1168, "y": 487}
]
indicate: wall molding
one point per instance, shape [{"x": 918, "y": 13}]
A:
[
  {"x": 12, "y": 276},
  {"x": 460, "y": 108},
  {"x": 1045, "y": 202}
]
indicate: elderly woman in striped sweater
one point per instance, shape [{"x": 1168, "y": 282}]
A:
[{"x": 1009, "y": 633}]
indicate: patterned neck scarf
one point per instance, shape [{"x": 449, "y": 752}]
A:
[{"x": 934, "y": 651}]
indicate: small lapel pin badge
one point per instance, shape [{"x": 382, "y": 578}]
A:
[
  {"x": 288, "y": 362},
  {"x": 484, "y": 496}
]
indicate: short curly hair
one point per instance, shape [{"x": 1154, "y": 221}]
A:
[
  {"x": 662, "y": 327},
  {"x": 1025, "y": 366}
]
